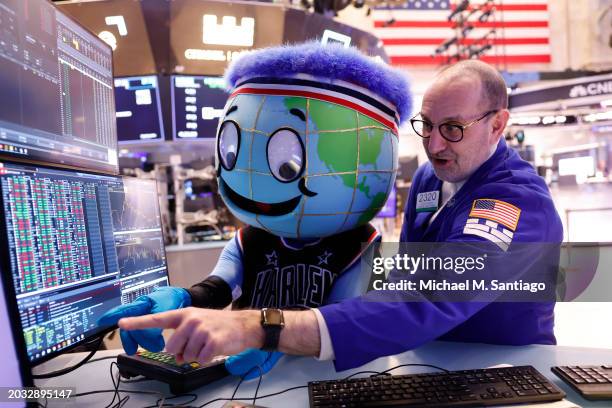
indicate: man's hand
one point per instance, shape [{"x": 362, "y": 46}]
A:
[
  {"x": 162, "y": 299},
  {"x": 201, "y": 334}
]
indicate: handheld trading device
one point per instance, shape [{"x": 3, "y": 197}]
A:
[{"x": 163, "y": 367}]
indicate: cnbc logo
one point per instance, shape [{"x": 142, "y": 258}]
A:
[
  {"x": 578, "y": 91},
  {"x": 592, "y": 89}
]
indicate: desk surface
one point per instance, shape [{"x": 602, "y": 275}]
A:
[{"x": 292, "y": 371}]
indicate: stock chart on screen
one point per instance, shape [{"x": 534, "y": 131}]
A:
[
  {"x": 139, "y": 241},
  {"x": 78, "y": 244}
]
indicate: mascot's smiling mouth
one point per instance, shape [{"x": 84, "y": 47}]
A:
[{"x": 256, "y": 207}]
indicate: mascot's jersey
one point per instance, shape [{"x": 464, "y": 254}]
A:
[
  {"x": 275, "y": 274},
  {"x": 361, "y": 331}
]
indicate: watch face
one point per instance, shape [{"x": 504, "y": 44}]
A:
[{"x": 272, "y": 317}]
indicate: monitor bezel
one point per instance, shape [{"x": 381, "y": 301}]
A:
[
  {"x": 6, "y": 266},
  {"x": 13, "y": 315}
]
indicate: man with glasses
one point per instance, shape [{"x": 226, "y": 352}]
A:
[{"x": 474, "y": 189}]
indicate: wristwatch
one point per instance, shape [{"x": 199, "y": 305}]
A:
[{"x": 272, "y": 322}]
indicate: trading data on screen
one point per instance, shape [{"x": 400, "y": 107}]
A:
[
  {"x": 197, "y": 105},
  {"x": 139, "y": 117},
  {"x": 78, "y": 245},
  {"x": 56, "y": 83}
]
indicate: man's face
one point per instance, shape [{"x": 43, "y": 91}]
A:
[{"x": 458, "y": 101}]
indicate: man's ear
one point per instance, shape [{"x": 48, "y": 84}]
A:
[{"x": 498, "y": 124}]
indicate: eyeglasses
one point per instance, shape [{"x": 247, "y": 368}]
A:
[{"x": 453, "y": 132}]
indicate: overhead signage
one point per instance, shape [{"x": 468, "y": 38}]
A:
[
  {"x": 572, "y": 92},
  {"x": 109, "y": 37},
  {"x": 228, "y": 33},
  {"x": 211, "y": 55},
  {"x": 330, "y": 36},
  {"x": 121, "y": 24},
  {"x": 591, "y": 89}
]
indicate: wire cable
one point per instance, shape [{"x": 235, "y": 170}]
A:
[
  {"x": 83, "y": 394},
  {"x": 414, "y": 365},
  {"x": 361, "y": 372},
  {"x": 121, "y": 401},
  {"x": 258, "y": 384},
  {"x": 93, "y": 360},
  {"x": 97, "y": 341},
  {"x": 184, "y": 403}
]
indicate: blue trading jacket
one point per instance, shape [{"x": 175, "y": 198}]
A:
[{"x": 361, "y": 331}]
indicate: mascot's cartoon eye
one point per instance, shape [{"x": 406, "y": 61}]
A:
[
  {"x": 229, "y": 143},
  {"x": 285, "y": 155}
]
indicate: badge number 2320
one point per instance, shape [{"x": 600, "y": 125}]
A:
[{"x": 431, "y": 196}]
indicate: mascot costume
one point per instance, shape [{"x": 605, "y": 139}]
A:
[{"x": 306, "y": 155}]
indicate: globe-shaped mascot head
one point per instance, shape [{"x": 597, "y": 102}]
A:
[{"x": 307, "y": 145}]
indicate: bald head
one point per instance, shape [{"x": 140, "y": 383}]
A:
[
  {"x": 472, "y": 96},
  {"x": 493, "y": 93}
]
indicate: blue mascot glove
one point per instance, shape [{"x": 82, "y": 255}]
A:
[
  {"x": 248, "y": 361},
  {"x": 162, "y": 299}
]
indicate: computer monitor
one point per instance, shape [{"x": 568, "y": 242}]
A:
[
  {"x": 197, "y": 105},
  {"x": 139, "y": 114},
  {"x": 15, "y": 372},
  {"x": 582, "y": 166},
  {"x": 77, "y": 244},
  {"x": 56, "y": 82},
  {"x": 390, "y": 208}
]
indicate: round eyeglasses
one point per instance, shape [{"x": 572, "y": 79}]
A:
[{"x": 451, "y": 131}]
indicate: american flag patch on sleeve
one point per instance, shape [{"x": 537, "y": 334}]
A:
[{"x": 493, "y": 220}]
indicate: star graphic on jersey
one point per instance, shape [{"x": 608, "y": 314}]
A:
[
  {"x": 324, "y": 257},
  {"x": 272, "y": 258}
]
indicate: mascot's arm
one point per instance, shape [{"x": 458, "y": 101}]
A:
[{"x": 223, "y": 284}]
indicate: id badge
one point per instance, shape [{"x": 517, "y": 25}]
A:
[{"x": 428, "y": 201}]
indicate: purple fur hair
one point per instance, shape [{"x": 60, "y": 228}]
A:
[{"x": 325, "y": 61}]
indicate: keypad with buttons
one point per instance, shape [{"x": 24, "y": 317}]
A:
[{"x": 591, "y": 381}]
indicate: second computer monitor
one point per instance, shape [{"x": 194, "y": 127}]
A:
[
  {"x": 139, "y": 114},
  {"x": 78, "y": 244},
  {"x": 56, "y": 82},
  {"x": 197, "y": 105}
]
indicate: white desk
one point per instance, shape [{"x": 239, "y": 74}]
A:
[{"x": 293, "y": 371}]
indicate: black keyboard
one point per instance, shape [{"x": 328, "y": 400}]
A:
[
  {"x": 592, "y": 382},
  {"x": 465, "y": 388}
]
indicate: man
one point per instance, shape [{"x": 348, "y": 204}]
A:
[{"x": 462, "y": 120}]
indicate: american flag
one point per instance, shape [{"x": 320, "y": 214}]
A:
[
  {"x": 411, "y": 33},
  {"x": 489, "y": 230},
  {"x": 496, "y": 210}
]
